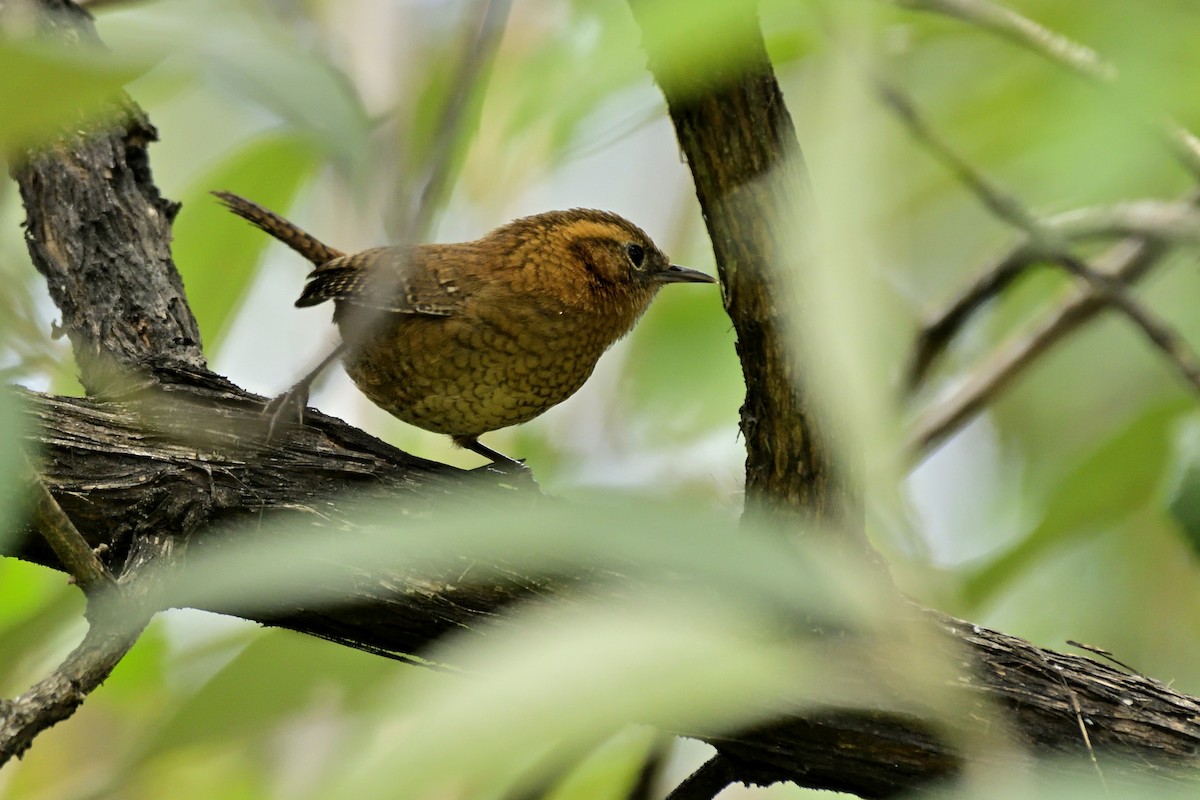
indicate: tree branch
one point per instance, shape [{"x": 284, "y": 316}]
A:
[
  {"x": 737, "y": 136},
  {"x": 178, "y": 457},
  {"x": 1168, "y": 224},
  {"x": 111, "y": 489},
  {"x": 1058, "y": 49},
  {"x": 1044, "y": 240},
  {"x": 109, "y": 637},
  {"x": 118, "y": 319}
]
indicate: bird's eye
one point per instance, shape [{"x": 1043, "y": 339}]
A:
[{"x": 636, "y": 254}]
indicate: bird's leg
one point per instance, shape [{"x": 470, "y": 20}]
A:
[
  {"x": 295, "y": 399},
  {"x": 499, "y": 460}
]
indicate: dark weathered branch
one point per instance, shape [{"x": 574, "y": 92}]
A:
[
  {"x": 92, "y": 211},
  {"x": 706, "y": 782},
  {"x": 178, "y": 455},
  {"x": 110, "y": 474},
  {"x": 56, "y": 697}
]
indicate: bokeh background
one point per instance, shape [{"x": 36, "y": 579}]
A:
[{"x": 1069, "y": 510}]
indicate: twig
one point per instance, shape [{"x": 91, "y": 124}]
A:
[
  {"x": 706, "y": 782},
  {"x": 936, "y": 334},
  {"x": 1058, "y": 49},
  {"x": 111, "y": 634},
  {"x": 1080, "y": 721},
  {"x": 1156, "y": 329},
  {"x": 478, "y": 48},
  {"x": 67, "y": 542},
  {"x": 1106, "y": 655},
  {"x": 1024, "y": 31},
  {"x": 1126, "y": 262},
  {"x": 116, "y": 616},
  {"x": 1177, "y": 222},
  {"x": 1043, "y": 239}
]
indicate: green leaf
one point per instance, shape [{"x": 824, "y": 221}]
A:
[
  {"x": 1120, "y": 476},
  {"x": 257, "y": 690},
  {"x": 36, "y": 607},
  {"x": 13, "y": 464},
  {"x": 610, "y": 771},
  {"x": 1184, "y": 505},
  {"x": 46, "y": 87},
  {"x": 216, "y": 252},
  {"x": 251, "y": 58},
  {"x": 559, "y": 679}
]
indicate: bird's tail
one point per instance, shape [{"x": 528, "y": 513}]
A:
[{"x": 302, "y": 242}]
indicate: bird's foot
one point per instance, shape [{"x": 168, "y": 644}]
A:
[
  {"x": 500, "y": 462},
  {"x": 287, "y": 407}
]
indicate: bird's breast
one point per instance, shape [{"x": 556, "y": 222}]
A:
[{"x": 468, "y": 374}]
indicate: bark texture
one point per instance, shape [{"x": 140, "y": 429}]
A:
[
  {"x": 739, "y": 141},
  {"x": 175, "y": 454},
  {"x": 122, "y": 471}
]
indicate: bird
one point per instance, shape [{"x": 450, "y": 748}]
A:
[{"x": 467, "y": 338}]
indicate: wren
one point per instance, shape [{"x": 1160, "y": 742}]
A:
[{"x": 463, "y": 339}]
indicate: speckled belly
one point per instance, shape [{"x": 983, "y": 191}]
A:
[{"x": 464, "y": 378}]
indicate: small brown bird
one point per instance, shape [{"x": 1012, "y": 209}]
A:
[{"x": 467, "y": 338}]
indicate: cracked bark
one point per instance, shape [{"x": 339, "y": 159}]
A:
[{"x": 175, "y": 448}]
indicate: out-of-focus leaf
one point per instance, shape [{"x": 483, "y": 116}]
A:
[
  {"x": 250, "y": 57},
  {"x": 566, "y": 677},
  {"x": 611, "y": 770},
  {"x": 631, "y": 538},
  {"x": 257, "y": 691},
  {"x": 217, "y": 253},
  {"x": 138, "y": 683},
  {"x": 1119, "y": 477},
  {"x": 709, "y": 38},
  {"x": 665, "y": 366},
  {"x": 199, "y": 773},
  {"x": 1184, "y": 504},
  {"x": 36, "y": 607},
  {"x": 46, "y": 87},
  {"x": 14, "y": 466}
]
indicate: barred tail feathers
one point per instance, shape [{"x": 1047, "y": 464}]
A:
[{"x": 287, "y": 232}]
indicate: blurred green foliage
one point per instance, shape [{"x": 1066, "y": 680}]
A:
[{"x": 321, "y": 110}]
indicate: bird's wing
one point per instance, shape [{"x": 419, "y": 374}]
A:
[{"x": 393, "y": 279}]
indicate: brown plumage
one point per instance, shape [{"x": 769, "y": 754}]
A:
[{"x": 467, "y": 338}]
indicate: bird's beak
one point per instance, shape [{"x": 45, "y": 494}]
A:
[{"x": 677, "y": 274}]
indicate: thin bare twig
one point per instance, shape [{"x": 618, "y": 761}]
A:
[
  {"x": 1043, "y": 239},
  {"x": 116, "y": 617},
  {"x": 1169, "y": 222},
  {"x": 1059, "y": 49},
  {"x": 1107, "y": 656},
  {"x": 1004, "y": 21},
  {"x": 1176, "y": 222},
  {"x": 111, "y": 634},
  {"x": 1126, "y": 262},
  {"x": 67, "y": 542},
  {"x": 479, "y": 47}
]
